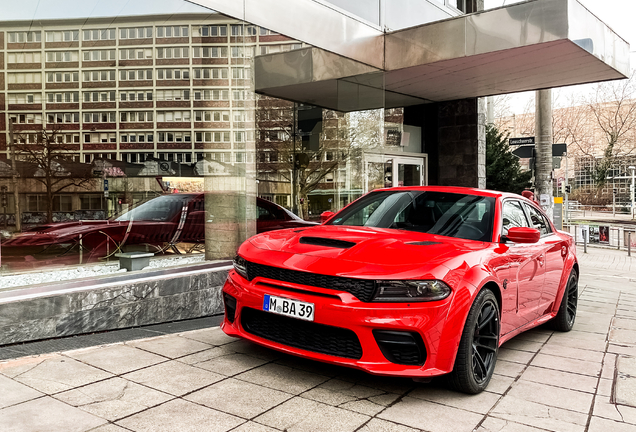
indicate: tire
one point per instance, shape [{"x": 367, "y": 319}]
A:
[
  {"x": 565, "y": 317},
  {"x": 478, "y": 347}
]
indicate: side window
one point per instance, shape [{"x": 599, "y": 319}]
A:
[
  {"x": 538, "y": 221},
  {"x": 264, "y": 214},
  {"x": 513, "y": 216}
]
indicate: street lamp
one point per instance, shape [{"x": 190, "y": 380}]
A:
[{"x": 633, "y": 188}]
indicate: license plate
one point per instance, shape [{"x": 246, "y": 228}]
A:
[{"x": 288, "y": 307}]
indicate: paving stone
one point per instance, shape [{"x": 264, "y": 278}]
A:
[
  {"x": 180, "y": 416},
  {"x": 500, "y": 383},
  {"x": 14, "y": 393},
  {"x": 282, "y": 378},
  {"x": 246, "y": 347},
  {"x": 575, "y": 334},
  {"x": 117, "y": 359},
  {"x": 604, "y": 408},
  {"x": 605, "y": 387},
  {"x": 385, "y": 399},
  {"x": 534, "y": 335},
  {"x": 377, "y": 425},
  {"x": 387, "y": 384},
  {"x": 174, "y": 377},
  {"x": 239, "y": 398},
  {"x": 507, "y": 368},
  {"x": 625, "y": 384},
  {"x": 539, "y": 415},
  {"x": 608, "y": 370},
  {"x": 312, "y": 366},
  {"x": 231, "y": 364},
  {"x": 492, "y": 424},
  {"x": 552, "y": 396},
  {"x": 363, "y": 407},
  {"x": 171, "y": 346},
  {"x": 211, "y": 336},
  {"x": 253, "y": 427},
  {"x": 206, "y": 355},
  {"x": 559, "y": 350},
  {"x": 479, "y": 403},
  {"x": 567, "y": 365},
  {"x": 622, "y": 336},
  {"x": 515, "y": 356},
  {"x": 46, "y": 414},
  {"x": 113, "y": 399},
  {"x": 561, "y": 379},
  {"x": 598, "y": 424},
  {"x": 109, "y": 428},
  {"x": 337, "y": 396},
  {"x": 522, "y": 345},
  {"x": 430, "y": 416},
  {"x": 627, "y": 350},
  {"x": 300, "y": 415},
  {"x": 590, "y": 345}
]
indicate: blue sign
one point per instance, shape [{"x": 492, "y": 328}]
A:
[{"x": 105, "y": 185}]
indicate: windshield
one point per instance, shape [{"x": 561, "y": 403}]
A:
[
  {"x": 448, "y": 214},
  {"x": 164, "y": 208}
]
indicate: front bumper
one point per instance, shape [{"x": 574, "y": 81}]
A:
[{"x": 340, "y": 310}]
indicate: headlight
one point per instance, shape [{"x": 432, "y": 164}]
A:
[
  {"x": 240, "y": 265},
  {"x": 411, "y": 291}
]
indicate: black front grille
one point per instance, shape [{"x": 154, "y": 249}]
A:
[
  {"x": 327, "y": 242},
  {"x": 301, "y": 334},
  {"x": 401, "y": 347},
  {"x": 362, "y": 289}
]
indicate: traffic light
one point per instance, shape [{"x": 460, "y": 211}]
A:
[{"x": 568, "y": 188}]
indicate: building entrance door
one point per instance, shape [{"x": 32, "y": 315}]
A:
[{"x": 392, "y": 170}]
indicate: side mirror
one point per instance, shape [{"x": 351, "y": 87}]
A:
[
  {"x": 325, "y": 216},
  {"x": 523, "y": 235}
]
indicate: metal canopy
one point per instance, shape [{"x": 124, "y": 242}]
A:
[{"x": 527, "y": 46}]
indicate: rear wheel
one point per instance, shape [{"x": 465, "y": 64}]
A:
[
  {"x": 477, "y": 351},
  {"x": 564, "y": 319}
]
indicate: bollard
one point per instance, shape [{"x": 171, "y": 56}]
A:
[
  {"x": 584, "y": 241},
  {"x": 629, "y": 244}
]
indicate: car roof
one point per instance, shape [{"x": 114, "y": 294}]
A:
[{"x": 454, "y": 189}]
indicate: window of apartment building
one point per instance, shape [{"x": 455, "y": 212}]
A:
[
  {"x": 238, "y": 94},
  {"x": 172, "y": 31},
  {"x": 170, "y": 95},
  {"x": 239, "y": 136},
  {"x": 210, "y": 73},
  {"x": 264, "y": 32},
  {"x": 91, "y": 202},
  {"x": 24, "y": 57},
  {"x": 24, "y": 78},
  {"x": 174, "y": 137},
  {"x": 62, "y": 36},
  {"x": 27, "y": 118},
  {"x": 177, "y": 74},
  {"x": 219, "y": 136},
  {"x": 99, "y": 75},
  {"x": 139, "y": 96},
  {"x": 109, "y": 96},
  {"x": 172, "y": 52},
  {"x": 135, "y": 33},
  {"x": 211, "y": 94},
  {"x": 99, "y": 55},
  {"x": 268, "y": 49},
  {"x": 135, "y": 75},
  {"x": 24, "y": 36},
  {"x": 62, "y": 97},
  {"x": 209, "y": 52},
  {"x": 173, "y": 116},
  {"x": 68, "y": 139},
  {"x": 100, "y": 137},
  {"x": 63, "y": 203},
  {"x": 209, "y": 30},
  {"x": 241, "y": 30},
  {"x": 135, "y": 54},
  {"x": 210, "y": 116},
  {"x": 62, "y": 56},
  {"x": 239, "y": 116},
  {"x": 100, "y": 117},
  {"x": 24, "y": 98},
  {"x": 136, "y": 116},
  {"x": 36, "y": 203},
  {"x": 99, "y": 34},
  {"x": 242, "y": 51},
  {"x": 59, "y": 77},
  {"x": 240, "y": 73},
  {"x": 135, "y": 137},
  {"x": 52, "y": 118}
]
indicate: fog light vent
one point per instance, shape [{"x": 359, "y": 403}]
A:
[
  {"x": 406, "y": 348},
  {"x": 230, "y": 307}
]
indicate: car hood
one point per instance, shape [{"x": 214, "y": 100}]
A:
[
  {"x": 58, "y": 232},
  {"x": 361, "y": 251}
]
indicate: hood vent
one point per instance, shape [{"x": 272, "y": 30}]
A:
[
  {"x": 327, "y": 242},
  {"x": 423, "y": 243}
]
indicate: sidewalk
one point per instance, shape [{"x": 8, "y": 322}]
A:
[{"x": 202, "y": 380}]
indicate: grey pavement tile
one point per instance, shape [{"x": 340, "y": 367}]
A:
[
  {"x": 499, "y": 384},
  {"x": 180, "y": 416},
  {"x": 171, "y": 346},
  {"x": 603, "y": 407},
  {"x": 117, "y": 359},
  {"x": 377, "y": 425},
  {"x": 231, "y": 364},
  {"x": 609, "y": 366},
  {"x": 626, "y": 313},
  {"x": 622, "y": 336},
  {"x": 535, "y": 335},
  {"x": 552, "y": 396},
  {"x": 590, "y": 345},
  {"x": 347, "y": 389},
  {"x": 510, "y": 369},
  {"x": 605, "y": 387},
  {"x": 431, "y": 416},
  {"x": 14, "y": 392},
  {"x": 385, "y": 399},
  {"x": 567, "y": 365},
  {"x": 109, "y": 428},
  {"x": 46, "y": 414},
  {"x": 600, "y": 329},
  {"x": 522, "y": 345},
  {"x": 559, "y": 350},
  {"x": 311, "y": 365},
  {"x": 624, "y": 323},
  {"x": 338, "y": 397},
  {"x": 253, "y": 427},
  {"x": 575, "y": 334},
  {"x": 539, "y": 415},
  {"x": 363, "y": 406},
  {"x": 492, "y": 424},
  {"x": 515, "y": 356},
  {"x": 174, "y": 377},
  {"x": 206, "y": 355},
  {"x": 480, "y": 403},
  {"x": 598, "y": 424},
  {"x": 300, "y": 415},
  {"x": 387, "y": 384},
  {"x": 282, "y": 378},
  {"x": 239, "y": 398},
  {"x": 113, "y": 399},
  {"x": 212, "y": 336},
  {"x": 54, "y": 374},
  {"x": 250, "y": 348},
  {"x": 561, "y": 379}
]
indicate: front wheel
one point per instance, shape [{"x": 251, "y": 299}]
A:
[
  {"x": 477, "y": 351},
  {"x": 564, "y": 319}
]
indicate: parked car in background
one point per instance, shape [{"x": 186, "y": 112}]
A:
[{"x": 410, "y": 281}]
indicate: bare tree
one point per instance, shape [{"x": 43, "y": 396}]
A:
[{"x": 48, "y": 160}]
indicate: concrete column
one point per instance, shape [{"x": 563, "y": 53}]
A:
[{"x": 543, "y": 128}]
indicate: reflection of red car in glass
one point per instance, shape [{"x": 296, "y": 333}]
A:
[
  {"x": 410, "y": 281},
  {"x": 157, "y": 225}
]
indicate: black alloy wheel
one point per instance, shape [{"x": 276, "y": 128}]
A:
[
  {"x": 478, "y": 347},
  {"x": 565, "y": 317}
]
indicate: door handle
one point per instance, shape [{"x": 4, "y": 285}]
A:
[{"x": 541, "y": 260}]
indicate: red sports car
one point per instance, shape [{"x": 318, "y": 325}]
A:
[{"x": 410, "y": 281}]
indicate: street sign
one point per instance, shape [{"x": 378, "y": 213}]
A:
[
  {"x": 105, "y": 185},
  {"x": 524, "y": 152},
  {"x": 521, "y": 141},
  {"x": 559, "y": 149}
]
